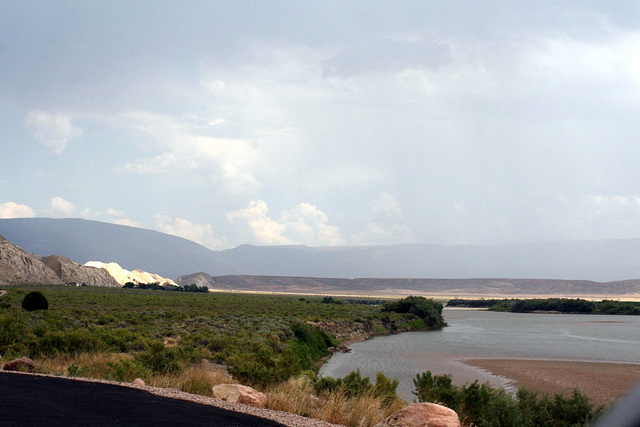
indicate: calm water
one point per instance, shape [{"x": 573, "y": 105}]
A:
[{"x": 482, "y": 334}]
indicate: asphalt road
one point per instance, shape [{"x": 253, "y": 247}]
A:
[{"x": 27, "y": 400}]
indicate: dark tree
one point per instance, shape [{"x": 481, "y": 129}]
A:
[{"x": 35, "y": 301}]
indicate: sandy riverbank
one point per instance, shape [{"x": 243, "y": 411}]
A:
[{"x": 604, "y": 383}]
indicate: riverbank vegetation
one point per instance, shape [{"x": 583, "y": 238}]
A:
[
  {"x": 481, "y": 405},
  {"x": 560, "y": 305}
]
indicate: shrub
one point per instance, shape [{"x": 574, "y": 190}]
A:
[
  {"x": 128, "y": 370},
  {"x": 160, "y": 359},
  {"x": 429, "y": 310},
  {"x": 482, "y": 405},
  {"x": 35, "y": 301}
]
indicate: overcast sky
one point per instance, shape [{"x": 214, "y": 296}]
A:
[{"x": 325, "y": 122}]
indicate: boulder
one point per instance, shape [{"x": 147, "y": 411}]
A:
[
  {"x": 23, "y": 364},
  {"x": 422, "y": 415},
  {"x": 233, "y": 393},
  {"x": 138, "y": 381}
]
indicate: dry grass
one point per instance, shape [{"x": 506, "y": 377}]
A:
[
  {"x": 196, "y": 379},
  {"x": 92, "y": 365},
  {"x": 297, "y": 396}
]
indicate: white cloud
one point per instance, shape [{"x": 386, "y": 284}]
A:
[
  {"x": 61, "y": 207},
  {"x": 387, "y": 224},
  {"x": 602, "y": 201},
  {"x": 199, "y": 233},
  {"x": 115, "y": 212},
  {"x": 309, "y": 226},
  {"x": 305, "y": 224},
  {"x": 87, "y": 213},
  {"x": 229, "y": 163},
  {"x": 386, "y": 206},
  {"x": 125, "y": 221},
  {"x": 14, "y": 210},
  {"x": 264, "y": 229},
  {"x": 53, "y": 131}
]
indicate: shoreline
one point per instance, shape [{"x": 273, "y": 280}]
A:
[{"x": 603, "y": 382}]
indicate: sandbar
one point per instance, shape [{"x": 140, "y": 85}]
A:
[{"x": 603, "y": 382}]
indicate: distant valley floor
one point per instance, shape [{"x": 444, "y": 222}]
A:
[{"x": 438, "y": 288}]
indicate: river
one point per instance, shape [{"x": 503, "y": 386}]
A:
[{"x": 486, "y": 334}]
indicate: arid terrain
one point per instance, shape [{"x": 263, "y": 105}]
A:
[{"x": 437, "y": 288}]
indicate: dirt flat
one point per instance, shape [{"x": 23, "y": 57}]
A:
[{"x": 604, "y": 383}]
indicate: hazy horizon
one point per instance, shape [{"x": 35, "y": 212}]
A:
[{"x": 325, "y": 123}]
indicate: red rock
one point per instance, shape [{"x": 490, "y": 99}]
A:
[
  {"x": 422, "y": 415},
  {"x": 233, "y": 393},
  {"x": 23, "y": 364}
]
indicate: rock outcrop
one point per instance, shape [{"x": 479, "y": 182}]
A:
[
  {"x": 70, "y": 271},
  {"x": 199, "y": 279},
  {"x": 422, "y": 415},
  {"x": 19, "y": 266},
  {"x": 23, "y": 364},
  {"x": 233, "y": 393},
  {"x": 123, "y": 276}
]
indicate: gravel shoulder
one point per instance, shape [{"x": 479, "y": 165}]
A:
[{"x": 197, "y": 413}]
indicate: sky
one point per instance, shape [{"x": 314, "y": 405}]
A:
[{"x": 325, "y": 123}]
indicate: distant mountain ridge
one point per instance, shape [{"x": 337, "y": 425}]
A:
[
  {"x": 170, "y": 256},
  {"x": 84, "y": 240},
  {"x": 482, "y": 287}
]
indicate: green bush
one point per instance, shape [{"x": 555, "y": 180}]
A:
[
  {"x": 429, "y": 310},
  {"x": 355, "y": 385},
  {"x": 128, "y": 370},
  {"x": 160, "y": 359},
  {"x": 35, "y": 301}
]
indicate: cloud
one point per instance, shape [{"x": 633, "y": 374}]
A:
[
  {"x": 53, "y": 131},
  {"x": 14, "y": 210},
  {"x": 115, "y": 212},
  {"x": 125, "y": 221},
  {"x": 386, "y": 207},
  {"x": 309, "y": 225},
  {"x": 199, "y": 233},
  {"x": 305, "y": 224},
  {"x": 61, "y": 207},
  {"x": 387, "y": 224},
  {"x": 387, "y": 55},
  {"x": 229, "y": 163},
  {"x": 264, "y": 229}
]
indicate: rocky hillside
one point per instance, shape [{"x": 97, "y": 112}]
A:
[
  {"x": 19, "y": 266},
  {"x": 70, "y": 271}
]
